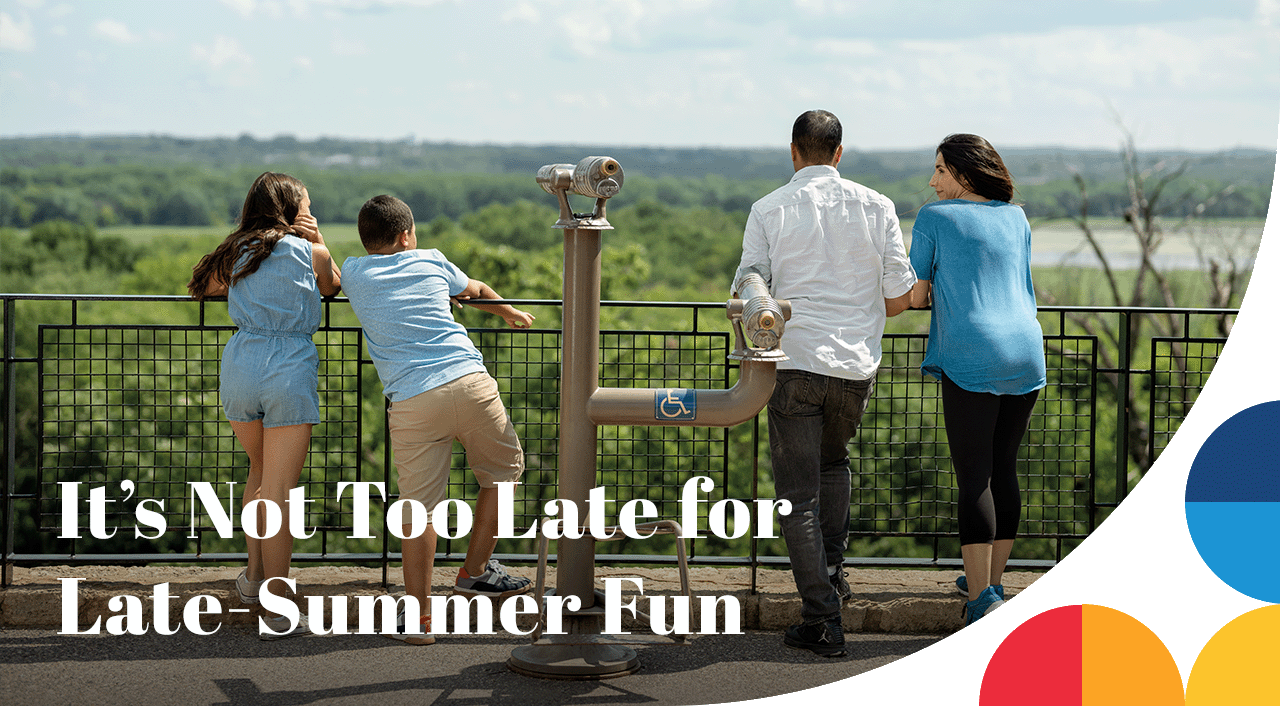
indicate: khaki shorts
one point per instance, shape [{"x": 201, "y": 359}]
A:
[{"x": 423, "y": 428}]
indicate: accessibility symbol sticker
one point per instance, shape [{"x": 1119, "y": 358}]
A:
[{"x": 675, "y": 403}]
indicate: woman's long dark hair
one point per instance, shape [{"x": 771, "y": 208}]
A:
[
  {"x": 267, "y": 216},
  {"x": 977, "y": 166}
]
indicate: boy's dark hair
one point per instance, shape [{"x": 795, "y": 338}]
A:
[
  {"x": 816, "y": 135},
  {"x": 977, "y": 165},
  {"x": 381, "y": 219}
]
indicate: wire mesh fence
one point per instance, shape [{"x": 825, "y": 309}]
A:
[{"x": 132, "y": 410}]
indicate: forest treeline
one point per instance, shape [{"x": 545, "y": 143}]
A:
[
  {"x": 678, "y": 220},
  {"x": 771, "y": 163},
  {"x": 168, "y": 181}
]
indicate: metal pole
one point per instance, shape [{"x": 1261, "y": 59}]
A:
[
  {"x": 581, "y": 652},
  {"x": 575, "y": 565},
  {"x": 574, "y": 655}
]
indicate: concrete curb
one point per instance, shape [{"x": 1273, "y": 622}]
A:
[{"x": 885, "y": 600}]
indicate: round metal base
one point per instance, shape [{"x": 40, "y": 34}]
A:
[{"x": 574, "y": 661}]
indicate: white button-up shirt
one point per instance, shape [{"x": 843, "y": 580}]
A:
[{"x": 833, "y": 248}]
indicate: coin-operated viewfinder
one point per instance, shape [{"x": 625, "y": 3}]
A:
[
  {"x": 758, "y": 319},
  {"x": 599, "y": 178}
]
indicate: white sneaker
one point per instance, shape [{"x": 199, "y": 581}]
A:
[
  {"x": 402, "y": 633},
  {"x": 246, "y": 589},
  {"x": 278, "y": 628}
]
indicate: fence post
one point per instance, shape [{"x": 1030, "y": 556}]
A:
[
  {"x": 9, "y": 481},
  {"x": 1122, "y": 410},
  {"x": 755, "y": 495}
]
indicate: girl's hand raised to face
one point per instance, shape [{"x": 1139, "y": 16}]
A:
[{"x": 306, "y": 227}]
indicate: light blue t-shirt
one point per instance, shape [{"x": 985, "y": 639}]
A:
[
  {"x": 402, "y": 301},
  {"x": 983, "y": 332}
]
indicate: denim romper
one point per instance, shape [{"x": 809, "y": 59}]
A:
[{"x": 270, "y": 365}]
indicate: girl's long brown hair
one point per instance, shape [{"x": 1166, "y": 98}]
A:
[{"x": 267, "y": 216}]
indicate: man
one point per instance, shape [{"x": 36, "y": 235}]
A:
[{"x": 834, "y": 249}]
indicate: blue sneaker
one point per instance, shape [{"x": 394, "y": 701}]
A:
[
  {"x": 962, "y": 584},
  {"x": 987, "y": 601}
]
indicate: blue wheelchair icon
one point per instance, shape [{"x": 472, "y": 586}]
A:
[{"x": 675, "y": 403}]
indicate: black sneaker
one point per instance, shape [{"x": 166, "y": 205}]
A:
[
  {"x": 825, "y": 638},
  {"x": 494, "y": 582},
  {"x": 839, "y": 583}
]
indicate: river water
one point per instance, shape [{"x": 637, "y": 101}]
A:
[{"x": 1063, "y": 244}]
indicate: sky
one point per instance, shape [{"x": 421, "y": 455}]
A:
[{"x": 1198, "y": 75}]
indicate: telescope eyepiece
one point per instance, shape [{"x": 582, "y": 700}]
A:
[
  {"x": 555, "y": 177},
  {"x": 596, "y": 177},
  {"x": 763, "y": 320}
]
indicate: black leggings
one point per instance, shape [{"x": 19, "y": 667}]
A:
[{"x": 984, "y": 431}]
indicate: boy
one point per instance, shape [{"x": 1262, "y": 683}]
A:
[{"x": 439, "y": 390}]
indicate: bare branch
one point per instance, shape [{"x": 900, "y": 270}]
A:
[{"x": 1082, "y": 221}]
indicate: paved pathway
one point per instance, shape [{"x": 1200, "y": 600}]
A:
[
  {"x": 894, "y": 614},
  {"x": 234, "y": 667}
]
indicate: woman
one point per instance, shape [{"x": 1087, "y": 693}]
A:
[
  {"x": 972, "y": 253},
  {"x": 273, "y": 270}
]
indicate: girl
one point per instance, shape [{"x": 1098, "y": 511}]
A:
[{"x": 273, "y": 270}]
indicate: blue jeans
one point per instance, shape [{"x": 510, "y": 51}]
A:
[{"x": 812, "y": 417}]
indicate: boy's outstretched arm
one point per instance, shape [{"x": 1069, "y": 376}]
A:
[{"x": 477, "y": 290}]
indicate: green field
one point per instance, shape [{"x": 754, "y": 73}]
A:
[
  {"x": 1049, "y": 238},
  {"x": 656, "y": 254}
]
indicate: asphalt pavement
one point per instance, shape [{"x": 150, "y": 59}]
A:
[{"x": 39, "y": 666}]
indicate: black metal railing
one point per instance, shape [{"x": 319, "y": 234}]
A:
[{"x": 120, "y": 393}]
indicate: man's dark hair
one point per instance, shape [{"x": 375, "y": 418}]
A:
[
  {"x": 381, "y": 219},
  {"x": 976, "y": 165},
  {"x": 816, "y": 135}
]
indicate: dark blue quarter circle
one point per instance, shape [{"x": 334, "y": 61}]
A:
[{"x": 1240, "y": 461}]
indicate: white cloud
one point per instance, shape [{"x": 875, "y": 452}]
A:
[
  {"x": 522, "y": 12},
  {"x": 343, "y": 46},
  {"x": 115, "y": 30},
  {"x": 334, "y": 8},
  {"x": 304, "y": 62},
  {"x": 59, "y": 11},
  {"x": 587, "y": 34},
  {"x": 76, "y": 96},
  {"x": 224, "y": 52},
  {"x": 845, "y": 48},
  {"x": 1268, "y": 13},
  {"x": 244, "y": 8},
  {"x": 16, "y": 35}
]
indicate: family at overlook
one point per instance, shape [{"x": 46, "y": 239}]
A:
[{"x": 831, "y": 247}]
